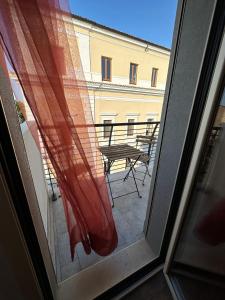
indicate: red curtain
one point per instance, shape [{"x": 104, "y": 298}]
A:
[{"x": 39, "y": 40}]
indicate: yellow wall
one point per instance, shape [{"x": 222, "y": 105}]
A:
[
  {"x": 122, "y": 109},
  {"x": 141, "y": 98},
  {"x": 123, "y": 53}
]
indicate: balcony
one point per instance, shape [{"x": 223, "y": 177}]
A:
[{"x": 128, "y": 153}]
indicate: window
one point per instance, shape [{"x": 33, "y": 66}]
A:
[
  {"x": 130, "y": 127},
  {"x": 106, "y": 68},
  {"x": 154, "y": 77},
  {"x": 107, "y": 128},
  {"x": 149, "y": 126},
  {"x": 133, "y": 73}
]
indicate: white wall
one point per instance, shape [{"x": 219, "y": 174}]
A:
[{"x": 37, "y": 172}]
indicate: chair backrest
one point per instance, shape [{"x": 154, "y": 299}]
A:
[{"x": 147, "y": 139}]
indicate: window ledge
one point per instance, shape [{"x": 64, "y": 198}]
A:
[{"x": 93, "y": 281}]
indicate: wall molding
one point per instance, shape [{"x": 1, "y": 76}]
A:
[
  {"x": 125, "y": 99},
  {"x": 111, "y": 87},
  {"x": 109, "y": 114}
]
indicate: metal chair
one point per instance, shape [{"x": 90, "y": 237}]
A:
[{"x": 148, "y": 140}]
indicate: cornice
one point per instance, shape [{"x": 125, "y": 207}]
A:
[{"x": 111, "y": 87}]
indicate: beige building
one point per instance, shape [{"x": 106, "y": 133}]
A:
[{"x": 126, "y": 76}]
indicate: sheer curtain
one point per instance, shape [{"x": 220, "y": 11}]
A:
[{"x": 39, "y": 40}]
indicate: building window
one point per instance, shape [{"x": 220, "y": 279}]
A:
[
  {"x": 133, "y": 73},
  {"x": 149, "y": 128},
  {"x": 130, "y": 127},
  {"x": 107, "y": 128},
  {"x": 106, "y": 68},
  {"x": 154, "y": 77}
]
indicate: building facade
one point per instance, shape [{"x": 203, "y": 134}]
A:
[{"x": 126, "y": 76}]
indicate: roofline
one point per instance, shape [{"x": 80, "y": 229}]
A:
[{"x": 119, "y": 32}]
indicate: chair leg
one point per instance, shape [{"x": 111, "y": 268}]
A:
[
  {"x": 146, "y": 172},
  {"x": 136, "y": 183},
  {"x": 128, "y": 173}
]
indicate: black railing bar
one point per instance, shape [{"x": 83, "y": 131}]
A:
[
  {"x": 115, "y": 168},
  {"x": 115, "y": 135},
  {"x": 90, "y": 158},
  {"x": 104, "y": 161},
  {"x": 101, "y": 125},
  {"x": 129, "y": 140},
  {"x": 97, "y": 133},
  {"x": 125, "y": 124},
  {"x": 96, "y": 160},
  {"x": 125, "y": 134},
  {"x": 120, "y": 133},
  {"x": 125, "y": 129}
]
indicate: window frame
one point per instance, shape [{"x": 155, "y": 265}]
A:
[
  {"x": 197, "y": 136},
  {"x": 146, "y": 270},
  {"x": 130, "y": 129},
  {"x": 104, "y": 117},
  {"x": 148, "y": 127},
  {"x": 106, "y": 58},
  {"x": 131, "y": 73},
  {"x": 154, "y": 77},
  {"x": 104, "y": 127}
]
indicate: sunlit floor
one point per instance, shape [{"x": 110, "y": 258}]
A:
[{"x": 129, "y": 214}]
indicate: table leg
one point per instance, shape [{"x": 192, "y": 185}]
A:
[
  {"x": 131, "y": 167},
  {"x": 132, "y": 171}
]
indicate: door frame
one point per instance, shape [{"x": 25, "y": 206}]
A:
[
  {"x": 37, "y": 247},
  {"x": 202, "y": 128}
]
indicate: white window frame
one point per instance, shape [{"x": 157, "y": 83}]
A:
[
  {"x": 107, "y": 117},
  {"x": 132, "y": 116},
  {"x": 152, "y": 115}
]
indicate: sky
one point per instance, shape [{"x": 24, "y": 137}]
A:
[{"x": 152, "y": 20}]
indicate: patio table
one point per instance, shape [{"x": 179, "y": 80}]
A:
[{"x": 119, "y": 152}]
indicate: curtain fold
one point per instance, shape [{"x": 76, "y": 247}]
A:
[{"x": 39, "y": 40}]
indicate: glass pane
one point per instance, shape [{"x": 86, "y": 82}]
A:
[
  {"x": 108, "y": 69},
  {"x": 103, "y": 68},
  {"x": 201, "y": 246},
  {"x": 131, "y": 73},
  {"x": 149, "y": 129},
  {"x": 107, "y": 129},
  {"x": 135, "y": 74},
  {"x": 130, "y": 128},
  {"x": 154, "y": 77}
]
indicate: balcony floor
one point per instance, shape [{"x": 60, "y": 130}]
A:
[{"x": 129, "y": 214}]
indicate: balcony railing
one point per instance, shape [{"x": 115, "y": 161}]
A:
[
  {"x": 139, "y": 135},
  {"x": 129, "y": 210}
]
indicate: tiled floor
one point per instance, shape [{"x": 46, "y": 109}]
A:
[{"x": 129, "y": 215}]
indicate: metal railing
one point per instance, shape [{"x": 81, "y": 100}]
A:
[
  {"x": 135, "y": 134},
  {"x": 128, "y": 133}
]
